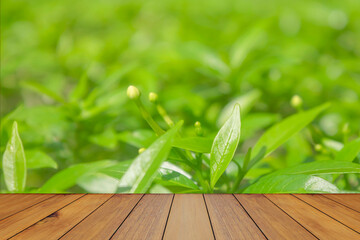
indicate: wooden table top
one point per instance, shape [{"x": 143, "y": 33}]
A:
[{"x": 169, "y": 216}]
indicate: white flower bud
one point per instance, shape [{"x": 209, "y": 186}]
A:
[
  {"x": 133, "y": 92},
  {"x": 153, "y": 97}
]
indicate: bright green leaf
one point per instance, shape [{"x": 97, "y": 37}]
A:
[
  {"x": 349, "y": 152},
  {"x": 34, "y": 86},
  {"x": 281, "y": 132},
  {"x": 142, "y": 171},
  {"x": 174, "y": 178},
  {"x": 68, "y": 177},
  {"x": 38, "y": 159},
  {"x": 195, "y": 144},
  {"x": 246, "y": 102},
  {"x": 14, "y": 162},
  {"x": 225, "y": 145},
  {"x": 321, "y": 167},
  {"x": 98, "y": 183},
  {"x": 292, "y": 184}
]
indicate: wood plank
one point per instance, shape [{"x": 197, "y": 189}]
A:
[
  {"x": 335, "y": 210},
  {"x": 105, "y": 220},
  {"x": 350, "y": 200},
  {"x": 273, "y": 222},
  {"x": 188, "y": 219},
  {"x": 321, "y": 225},
  {"x": 58, "y": 223},
  {"x": 229, "y": 219},
  {"x": 20, "y": 221},
  {"x": 147, "y": 220},
  {"x": 13, "y": 203}
]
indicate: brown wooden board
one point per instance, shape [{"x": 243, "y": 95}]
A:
[
  {"x": 349, "y": 200},
  {"x": 188, "y": 219},
  {"x": 58, "y": 223},
  {"x": 274, "y": 223},
  {"x": 229, "y": 219},
  {"x": 147, "y": 220},
  {"x": 105, "y": 220},
  {"x": 13, "y": 203},
  {"x": 321, "y": 225},
  {"x": 22, "y": 220},
  {"x": 333, "y": 209}
]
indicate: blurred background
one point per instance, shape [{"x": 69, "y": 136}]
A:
[{"x": 66, "y": 65}]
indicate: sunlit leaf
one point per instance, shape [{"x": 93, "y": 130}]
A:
[
  {"x": 142, "y": 171},
  {"x": 195, "y": 144},
  {"x": 281, "y": 132},
  {"x": 292, "y": 184},
  {"x": 38, "y": 159},
  {"x": 225, "y": 145},
  {"x": 68, "y": 177},
  {"x": 349, "y": 152},
  {"x": 321, "y": 167},
  {"x": 14, "y": 162}
]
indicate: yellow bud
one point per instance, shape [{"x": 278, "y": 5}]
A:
[
  {"x": 197, "y": 124},
  {"x": 141, "y": 150},
  {"x": 318, "y": 147},
  {"x": 133, "y": 92},
  {"x": 153, "y": 97},
  {"x": 296, "y": 101}
]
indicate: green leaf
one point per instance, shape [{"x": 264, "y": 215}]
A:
[
  {"x": 349, "y": 152},
  {"x": 139, "y": 138},
  {"x": 34, "y": 86},
  {"x": 38, "y": 159},
  {"x": 68, "y": 177},
  {"x": 80, "y": 90},
  {"x": 142, "y": 171},
  {"x": 225, "y": 145},
  {"x": 14, "y": 162},
  {"x": 117, "y": 170},
  {"x": 98, "y": 183},
  {"x": 321, "y": 167},
  {"x": 291, "y": 184},
  {"x": 195, "y": 144},
  {"x": 174, "y": 178},
  {"x": 107, "y": 139},
  {"x": 246, "y": 102},
  {"x": 281, "y": 132}
]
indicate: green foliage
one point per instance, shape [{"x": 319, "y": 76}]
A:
[
  {"x": 141, "y": 172},
  {"x": 65, "y": 77},
  {"x": 14, "y": 162},
  {"x": 225, "y": 145}
]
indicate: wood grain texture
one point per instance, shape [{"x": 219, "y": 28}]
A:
[
  {"x": 13, "y": 203},
  {"x": 59, "y": 222},
  {"x": 350, "y": 200},
  {"x": 147, "y": 220},
  {"x": 273, "y": 222},
  {"x": 188, "y": 219},
  {"x": 20, "y": 221},
  {"x": 321, "y": 225},
  {"x": 105, "y": 220},
  {"x": 335, "y": 210},
  {"x": 229, "y": 219}
]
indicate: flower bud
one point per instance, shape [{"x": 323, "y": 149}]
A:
[
  {"x": 133, "y": 92},
  {"x": 318, "y": 147},
  {"x": 296, "y": 101},
  {"x": 141, "y": 150},
  {"x": 153, "y": 97},
  {"x": 197, "y": 124}
]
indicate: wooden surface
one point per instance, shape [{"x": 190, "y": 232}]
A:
[{"x": 168, "y": 216}]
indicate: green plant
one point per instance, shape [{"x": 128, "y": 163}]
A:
[
  {"x": 64, "y": 79},
  {"x": 195, "y": 164}
]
